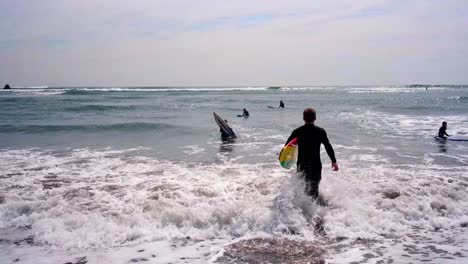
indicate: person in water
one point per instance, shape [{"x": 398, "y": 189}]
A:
[
  {"x": 281, "y": 104},
  {"x": 443, "y": 130},
  {"x": 7, "y": 87},
  {"x": 245, "y": 113},
  {"x": 310, "y": 137}
]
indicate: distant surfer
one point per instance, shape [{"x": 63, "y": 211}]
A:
[
  {"x": 310, "y": 138},
  {"x": 7, "y": 87},
  {"x": 443, "y": 131},
  {"x": 281, "y": 104},
  {"x": 245, "y": 113}
]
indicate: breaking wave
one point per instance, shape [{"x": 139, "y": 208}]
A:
[{"x": 136, "y": 126}]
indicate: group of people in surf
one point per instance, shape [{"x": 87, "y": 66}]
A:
[
  {"x": 245, "y": 113},
  {"x": 310, "y": 138}
]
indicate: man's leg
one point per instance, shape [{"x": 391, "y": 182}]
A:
[
  {"x": 312, "y": 188},
  {"x": 312, "y": 176}
]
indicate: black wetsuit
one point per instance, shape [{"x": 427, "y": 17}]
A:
[
  {"x": 310, "y": 138},
  {"x": 281, "y": 104},
  {"x": 246, "y": 113},
  {"x": 443, "y": 132}
]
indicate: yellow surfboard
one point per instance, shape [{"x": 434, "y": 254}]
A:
[{"x": 288, "y": 155}]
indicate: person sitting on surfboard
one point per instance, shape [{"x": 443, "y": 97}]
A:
[
  {"x": 443, "y": 130},
  {"x": 245, "y": 113},
  {"x": 310, "y": 137},
  {"x": 281, "y": 104}
]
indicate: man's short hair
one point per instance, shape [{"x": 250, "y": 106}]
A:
[{"x": 309, "y": 115}]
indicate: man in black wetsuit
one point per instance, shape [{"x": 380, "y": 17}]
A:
[
  {"x": 443, "y": 130},
  {"x": 245, "y": 113},
  {"x": 310, "y": 138},
  {"x": 281, "y": 104}
]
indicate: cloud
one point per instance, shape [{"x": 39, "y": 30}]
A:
[{"x": 206, "y": 42}]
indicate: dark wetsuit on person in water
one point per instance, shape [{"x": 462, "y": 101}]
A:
[
  {"x": 443, "y": 130},
  {"x": 310, "y": 138}
]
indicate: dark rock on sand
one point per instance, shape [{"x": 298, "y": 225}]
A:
[
  {"x": 271, "y": 250},
  {"x": 391, "y": 194},
  {"x": 135, "y": 260}
]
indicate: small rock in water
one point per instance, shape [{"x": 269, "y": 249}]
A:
[
  {"x": 273, "y": 250},
  {"x": 391, "y": 194},
  {"x": 134, "y": 260}
]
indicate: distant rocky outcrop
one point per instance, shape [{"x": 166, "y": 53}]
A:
[{"x": 7, "y": 87}]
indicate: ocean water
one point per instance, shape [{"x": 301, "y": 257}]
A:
[{"x": 119, "y": 175}]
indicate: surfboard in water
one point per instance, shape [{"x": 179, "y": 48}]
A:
[
  {"x": 452, "y": 138},
  {"x": 288, "y": 155},
  {"x": 224, "y": 126}
]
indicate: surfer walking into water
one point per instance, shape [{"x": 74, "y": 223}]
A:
[
  {"x": 443, "y": 131},
  {"x": 281, "y": 104},
  {"x": 310, "y": 138}
]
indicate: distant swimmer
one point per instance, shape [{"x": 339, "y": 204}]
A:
[
  {"x": 7, "y": 87},
  {"x": 443, "y": 131},
  {"x": 281, "y": 104},
  {"x": 310, "y": 138}
]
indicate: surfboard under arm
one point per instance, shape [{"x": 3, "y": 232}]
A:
[{"x": 224, "y": 126}]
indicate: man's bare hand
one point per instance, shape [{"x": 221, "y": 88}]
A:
[{"x": 335, "y": 166}]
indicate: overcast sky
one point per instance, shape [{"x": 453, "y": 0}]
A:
[{"x": 231, "y": 43}]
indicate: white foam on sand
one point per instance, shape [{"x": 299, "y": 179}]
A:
[{"x": 107, "y": 205}]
